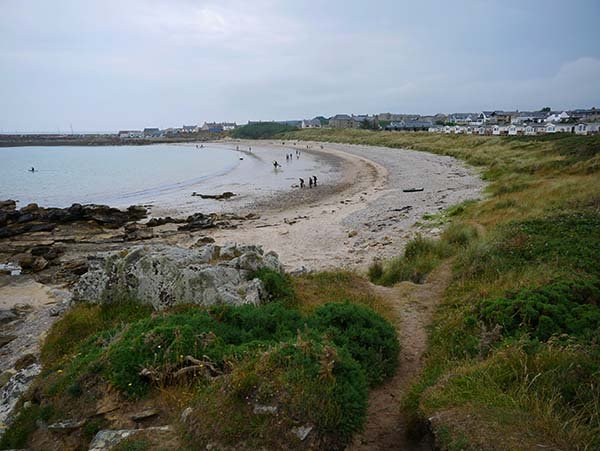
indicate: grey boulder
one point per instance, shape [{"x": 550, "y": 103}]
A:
[{"x": 163, "y": 275}]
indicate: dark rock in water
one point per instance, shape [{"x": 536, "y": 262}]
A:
[
  {"x": 8, "y": 204},
  {"x": 33, "y": 218}
]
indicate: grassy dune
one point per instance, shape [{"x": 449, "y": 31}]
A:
[{"x": 514, "y": 351}]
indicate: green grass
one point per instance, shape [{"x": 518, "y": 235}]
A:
[
  {"x": 262, "y": 130},
  {"x": 513, "y": 356},
  {"x": 316, "y": 362}
]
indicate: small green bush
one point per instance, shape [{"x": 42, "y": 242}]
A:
[
  {"x": 23, "y": 425},
  {"x": 562, "y": 307},
  {"x": 308, "y": 381},
  {"x": 279, "y": 286},
  {"x": 369, "y": 339}
]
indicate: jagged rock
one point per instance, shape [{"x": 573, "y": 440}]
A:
[
  {"x": 25, "y": 361},
  {"x": 302, "y": 431},
  {"x": 224, "y": 196},
  {"x": 6, "y": 339},
  {"x": 6, "y": 316},
  {"x": 259, "y": 409},
  {"x": 107, "y": 439},
  {"x": 186, "y": 414},
  {"x": 66, "y": 425},
  {"x": 149, "y": 413},
  {"x": 12, "y": 391},
  {"x": 33, "y": 218},
  {"x": 168, "y": 275},
  {"x": 198, "y": 221},
  {"x": 39, "y": 263}
]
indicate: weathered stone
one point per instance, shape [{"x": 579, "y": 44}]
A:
[
  {"x": 107, "y": 439},
  {"x": 6, "y": 316},
  {"x": 6, "y": 339},
  {"x": 167, "y": 275},
  {"x": 25, "y": 361},
  {"x": 12, "y": 391},
  {"x": 186, "y": 414},
  {"x": 39, "y": 263},
  {"x": 148, "y": 413},
  {"x": 259, "y": 409},
  {"x": 302, "y": 431},
  {"x": 66, "y": 425}
]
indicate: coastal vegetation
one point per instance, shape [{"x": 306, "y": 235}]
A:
[
  {"x": 513, "y": 359},
  {"x": 261, "y": 130},
  {"x": 250, "y": 375}
]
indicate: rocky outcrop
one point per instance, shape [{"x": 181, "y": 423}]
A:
[
  {"x": 168, "y": 275},
  {"x": 33, "y": 218},
  {"x": 10, "y": 392}
]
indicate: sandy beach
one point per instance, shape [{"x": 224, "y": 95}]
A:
[{"x": 361, "y": 215}]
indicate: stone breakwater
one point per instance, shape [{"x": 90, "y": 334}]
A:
[{"x": 163, "y": 276}]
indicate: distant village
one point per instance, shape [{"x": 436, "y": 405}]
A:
[{"x": 498, "y": 122}]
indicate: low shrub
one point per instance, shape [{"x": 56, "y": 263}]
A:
[
  {"x": 23, "y": 425},
  {"x": 305, "y": 382},
  {"x": 562, "y": 307},
  {"x": 369, "y": 339},
  {"x": 278, "y": 286}
]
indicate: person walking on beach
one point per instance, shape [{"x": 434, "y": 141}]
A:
[
  {"x": 315, "y": 180},
  {"x": 275, "y": 164},
  {"x": 310, "y": 182},
  {"x": 301, "y": 183}
]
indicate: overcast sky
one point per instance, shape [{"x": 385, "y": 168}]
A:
[{"x": 115, "y": 64}]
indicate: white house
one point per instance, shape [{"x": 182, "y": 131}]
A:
[
  {"x": 126, "y": 134},
  {"x": 558, "y": 117},
  {"x": 593, "y": 127},
  {"x": 581, "y": 129},
  {"x": 459, "y": 130},
  {"x": 481, "y": 130},
  {"x": 448, "y": 129},
  {"x": 514, "y": 130},
  {"x": 498, "y": 130},
  {"x": 311, "y": 123}
]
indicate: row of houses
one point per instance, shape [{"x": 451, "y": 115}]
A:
[
  {"x": 515, "y": 129},
  {"x": 149, "y": 133}
]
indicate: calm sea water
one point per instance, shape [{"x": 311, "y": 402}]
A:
[{"x": 107, "y": 175}]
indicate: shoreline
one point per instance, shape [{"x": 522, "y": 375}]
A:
[{"x": 365, "y": 216}]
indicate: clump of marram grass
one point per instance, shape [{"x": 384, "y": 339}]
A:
[{"x": 421, "y": 256}]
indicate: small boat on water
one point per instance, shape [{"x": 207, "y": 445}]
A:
[{"x": 413, "y": 190}]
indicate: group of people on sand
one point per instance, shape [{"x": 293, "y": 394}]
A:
[{"x": 312, "y": 181}]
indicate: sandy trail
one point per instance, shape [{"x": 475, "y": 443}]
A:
[
  {"x": 413, "y": 306},
  {"x": 367, "y": 215}
]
